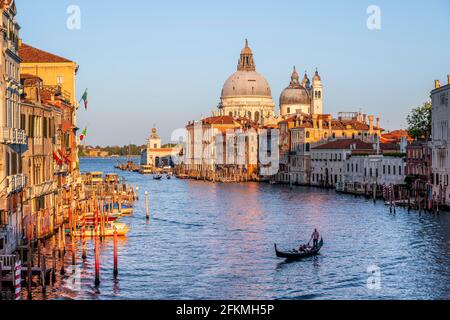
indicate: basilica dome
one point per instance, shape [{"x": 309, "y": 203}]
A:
[
  {"x": 246, "y": 93},
  {"x": 246, "y": 83}
]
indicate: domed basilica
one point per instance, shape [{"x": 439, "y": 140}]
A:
[{"x": 246, "y": 93}]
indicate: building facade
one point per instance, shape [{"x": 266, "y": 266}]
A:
[
  {"x": 154, "y": 156},
  {"x": 221, "y": 148},
  {"x": 440, "y": 143},
  {"x": 59, "y": 76},
  {"x": 41, "y": 121},
  {"x": 299, "y": 133},
  {"x": 13, "y": 140}
]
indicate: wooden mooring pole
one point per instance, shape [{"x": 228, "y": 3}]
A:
[
  {"x": 97, "y": 263},
  {"x": 147, "y": 216},
  {"x": 116, "y": 270}
]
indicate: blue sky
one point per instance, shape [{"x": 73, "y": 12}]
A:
[{"x": 164, "y": 62}]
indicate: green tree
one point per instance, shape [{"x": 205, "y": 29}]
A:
[{"x": 419, "y": 121}]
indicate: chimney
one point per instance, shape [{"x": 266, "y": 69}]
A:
[
  {"x": 448, "y": 79},
  {"x": 364, "y": 118},
  {"x": 320, "y": 123},
  {"x": 378, "y": 123},
  {"x": 371, "y": 123},
  {"x": 301, "y": 120},
  {"x": 437, "y": 84}
]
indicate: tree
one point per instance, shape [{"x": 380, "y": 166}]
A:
[{"x": 419, "y": 122}]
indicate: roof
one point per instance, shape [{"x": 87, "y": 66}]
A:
[
  {"x": 336, "y": 124},
  {"x": 29, "y": 54},
  {"x": 219, "y": 120},
  {"x": 345, "y": 144},
  {"x": 395, "y": 136}
]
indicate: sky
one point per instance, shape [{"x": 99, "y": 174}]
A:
[{"x": 163, "y": 63}]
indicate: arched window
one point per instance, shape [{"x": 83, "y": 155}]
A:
[{"x": 307, "y": 147}]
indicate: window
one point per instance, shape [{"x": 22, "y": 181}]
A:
[
  {"x": 307, "y": 147},
  {"x": 288, "y": 110},
  {"x": 59, "y": 80},
  {"x": 307, "y": 134}
]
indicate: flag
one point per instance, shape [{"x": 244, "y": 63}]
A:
[
  {"x": 85, "y": 99},
  {"x": 63, "y": 156},
  {"x": 57, "y": 158},
  {"x": 83, "y": 134}
]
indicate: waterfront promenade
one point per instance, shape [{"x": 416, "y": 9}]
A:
[{"x": 215, "y": 241}]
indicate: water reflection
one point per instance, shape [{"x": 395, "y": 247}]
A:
[{"x": 215, "y": 241}]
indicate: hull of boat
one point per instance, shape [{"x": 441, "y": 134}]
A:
[{"x": 294, "y": 255}]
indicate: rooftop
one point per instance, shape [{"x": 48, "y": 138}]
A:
[
  {"x": 29, "y": 54},
  {"x": 345, "y": 144}
]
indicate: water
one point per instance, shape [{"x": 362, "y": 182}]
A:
[{"x": 215, "y": 241}]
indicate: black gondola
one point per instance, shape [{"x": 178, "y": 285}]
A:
[
  {"x": 157, "y": 177},
  {"x": 295, "y": 255}
]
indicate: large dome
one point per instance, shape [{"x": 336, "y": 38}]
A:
[{"x": 246, "y": 83}]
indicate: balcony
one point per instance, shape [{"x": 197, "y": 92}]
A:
[
  {"x": 41, "y": 189},
  {"x": 15, "y": 183},
  {"x": 13, "y": 136}
]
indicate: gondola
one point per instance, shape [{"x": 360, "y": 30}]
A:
[
  {"x": 294, "y": 255},
  {"x": 157, "y": 177}
]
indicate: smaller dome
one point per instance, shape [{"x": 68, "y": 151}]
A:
[
  {"x": 295, "y": 96},
  {"x": 295, "y": 93}
]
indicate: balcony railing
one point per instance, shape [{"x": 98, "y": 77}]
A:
[
  {"x": 42, "y": 189},
  {"x": 16, "y": 183},
  {"x": 13, "y": 136}
]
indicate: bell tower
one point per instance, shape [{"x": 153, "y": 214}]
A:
[{"x": 317, "y": 95}]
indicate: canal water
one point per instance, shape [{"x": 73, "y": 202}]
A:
[{"x": 216, "y": 241}]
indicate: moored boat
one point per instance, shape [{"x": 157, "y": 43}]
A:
[
  {"x": 296, "y": 255},
  {"x": 108, "y": 231}
]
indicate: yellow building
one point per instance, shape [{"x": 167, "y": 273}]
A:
[
  {"x": 59, "y": 76},
  {"x": 53, "y": 70},
  {"x": 299, "y": 133}
]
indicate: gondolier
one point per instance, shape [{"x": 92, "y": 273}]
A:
[{"x": 315, "y": 238}]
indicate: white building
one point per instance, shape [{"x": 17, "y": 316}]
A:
[
  {"x": 328, "y": 160},
  {"x": 374, "y": 169},
  {"x": 440, "y": 143}
]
